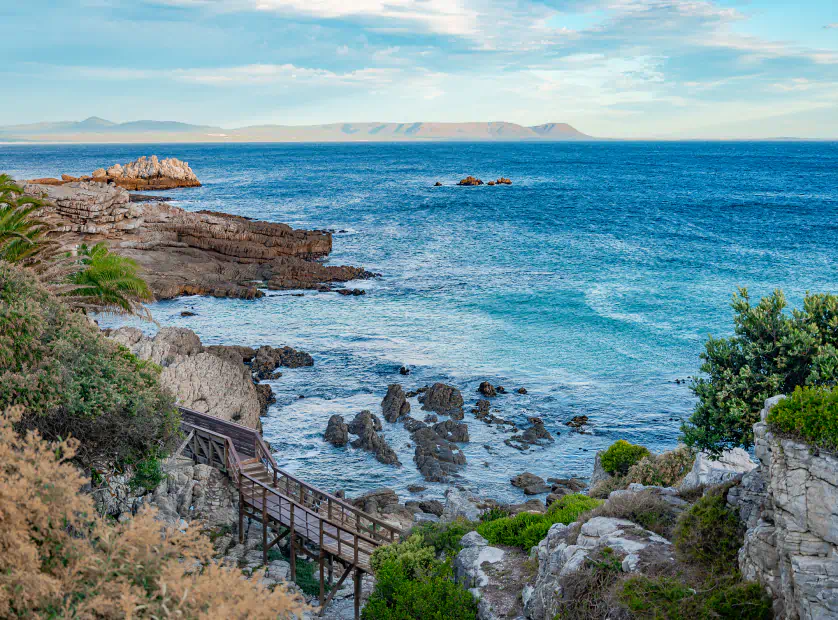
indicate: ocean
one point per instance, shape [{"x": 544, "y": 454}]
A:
[{"x": 592, "y": 281}]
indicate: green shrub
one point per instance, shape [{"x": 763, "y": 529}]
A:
[
  {"x": 74, "y": 381},
  {"x": 586, "y": 593},
  {"x": 671, "y": 599},
  {"x": 620, "y": 456},
  {"x": 770, "y": 353},
  {"x": 148, "y": 473},
  {"x": 645, "y": 508},
  {"x": 444, "y": 537},
  {"x": 495, "y": 513},
  {"x": 411, "y": 555},
  {"x": 663, "y": 470},
  {"x": 710, "y": 532},
  {"x": 527, "y": 529},
  {"x": 431, "y": 595},
  {"x": 809, "y": 413}
]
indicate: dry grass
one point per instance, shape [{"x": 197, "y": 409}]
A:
[
  {"x": 58, "y": 558},
  {"x": 644, "y": 508}
]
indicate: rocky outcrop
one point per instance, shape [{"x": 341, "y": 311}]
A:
[
  {"x": 436, "y": 457},
  {"x": 218, "y": 385},
  {"x": 709, "y": 471},
  {"x": 487, "y": 389},
  {"x": 535, "y": 435},
  {"x": 470, "y": 180},
  {"x": 337, "y": 432},
  {"x": 558, "y": 558},
  {"x": 384, "y": 504},
  {"x": 366, "y": 427},
  {"x": 450, "y": 430},
  {"x": 268, "y": 359},
  {"x": 145, "y": 173},
  {"x": 190, "y": 253},
  {"x": 599, "y": 474},
  {"x": 790, "y": 504},
  {"x": 394, "y": 405},
  {"x": 460, "y": 505},
  {"x": 490, "y": 575},
  {"x": 530, "y": 484},
  {"x": 444, "y": 399},
  {"x": 266, "y": 397}
]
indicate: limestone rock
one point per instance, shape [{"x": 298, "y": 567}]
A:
[
  {"x": 460, "y": 505},
  {"x": 711, "y": 472},
  {"x": 599, "y": 474}
]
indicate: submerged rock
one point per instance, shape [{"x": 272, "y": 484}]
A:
[
  {"x": 452, "y": 431},
  {"x": 487, "y": 389},
  {"x": 436, "y": 457},
  {"x": 536, "y": 435},
  {"x": 365, "y": 426}
]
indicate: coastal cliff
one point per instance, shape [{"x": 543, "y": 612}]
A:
[{"x": 190, "y": 253}]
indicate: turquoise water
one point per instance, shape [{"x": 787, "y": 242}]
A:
[{"x": 592, "y": 281}]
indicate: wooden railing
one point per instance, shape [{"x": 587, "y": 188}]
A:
[{"x": 319, "y": 516}]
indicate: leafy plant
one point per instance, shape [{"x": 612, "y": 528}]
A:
[
  {"x": 22, "y": 234},
  {"x": 432, "y": 594},
  {"x": 527, "y": 529},
  {"x": 74, "y": 381},
  {"x": 620, "y": 456},
  {"x": 444, "y": 537},
  {"x": 771, "y": 352},
  {"x": 710, "y": 532},
  {"x": 411, "y": 555},
  {"x": 148, "y": 473},
  {"x": 108, "y": 282},
  {"x": 666, "y": 470},
  {"x": 809, "y": 413}
]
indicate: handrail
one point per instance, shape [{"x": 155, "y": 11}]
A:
[{"x": 338, "y": 518}]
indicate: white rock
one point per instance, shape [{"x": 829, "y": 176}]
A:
[{"x": 708, "y": 471}]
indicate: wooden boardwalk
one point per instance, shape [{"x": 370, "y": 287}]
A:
[{"x": 338, "y": 532}]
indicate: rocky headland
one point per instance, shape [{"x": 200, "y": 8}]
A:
[
  {"x": 190, "y": 253},
  {"x": 145, "y": 173}
]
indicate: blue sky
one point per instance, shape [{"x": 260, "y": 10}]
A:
[{"x": 621, "y": 68}]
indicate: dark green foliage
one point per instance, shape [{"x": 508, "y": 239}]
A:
[
  {"x": 710, "y": 532},
  {"x": 771, "y": 352},
  {"x": 494, "y": 513},
  {"x": 430, "y": 595},
  {"x": 620, "y": 456},
  {"x": 74, "y": 381},
  {"x": 412, "y": 555},
  {"x": 148, "y": 473},
  {"x": 22, "y": 235},
  {"x": 527, "y": 529},
  {"x": 444, "y": 537},
  {"x": 809, "y": 413},
  {"x": 665, "y": 598}
]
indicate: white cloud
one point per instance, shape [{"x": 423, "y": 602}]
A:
[{"x": 831, "y": 26}]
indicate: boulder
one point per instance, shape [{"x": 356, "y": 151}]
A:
[
  {"x": 487, "y": 389},
  {"x": 452, "y": 431},
  {"x": 577, "y": 422},
  {"x": 599, "y": 474},
  {"x": 394, "y": 405},
  {"x": 432, "y": 506},
  {"x": 708, "y": 471},
  {"x": 535, "y": 435},
  {"x": 444, "y": 399},
  {"x": 435, "y": 457},
  {"x": 365, "y": 426},
  {"x": 268, "y": 359},
  {"x": 337, "y": 432},
  {"x": 266, "y": 397},
  {"x": 530, "y": 483},
  {"x": 470, "y": 180},
  {"x": 459, "y": 505}
]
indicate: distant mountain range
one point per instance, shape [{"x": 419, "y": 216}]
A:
[{"x": 99, "y": 130}]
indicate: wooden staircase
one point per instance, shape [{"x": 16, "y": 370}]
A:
[{"x": 326, "y": 528}]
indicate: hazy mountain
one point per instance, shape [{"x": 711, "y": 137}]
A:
[{"x": 95, "y": 129}]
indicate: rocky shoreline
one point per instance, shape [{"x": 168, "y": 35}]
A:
[{"x": 188, "y": 253}]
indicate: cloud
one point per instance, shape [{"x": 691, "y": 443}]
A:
[{"x": 831, "y": 26}]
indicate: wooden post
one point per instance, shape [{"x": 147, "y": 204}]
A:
[
  {"x": 241, "y": 511},
  {"x": 293, "y": 557},
  {"x": 357, "y": 594},
  {"x": 264, "y": 526},
  {"x": 320, "y": 559}
]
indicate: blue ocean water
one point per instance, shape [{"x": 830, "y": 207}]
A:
[{"x": 592, "y": 281}]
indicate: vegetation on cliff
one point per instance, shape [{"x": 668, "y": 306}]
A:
[
  {"x": 771, "y": 352},
  {"x": 59, "y": 559},
  {"x": 21, "y": 233},
  {"x": 75, "y": 382},
  {"x": 810, "y": 414}
]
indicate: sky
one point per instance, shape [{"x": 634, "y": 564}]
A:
[{"x": 611, "y": 68}]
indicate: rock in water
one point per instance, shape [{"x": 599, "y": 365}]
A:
[
  {"x": 337, "y": 432},
  {"x": 394, "y": 405},
  {"x": 487, "y": 389},
  {"x": 266, "y": 397},
  {"x": 268, "y": 359},
  {"x": 452, "y": 431},
  {"x": 150, "y": 173},
  {"x": 530, "y": 483},
  {"x": 470, "y": 180},
  {"x": 365, "y": 426},
  {"x": 436, "y": 457},
  {"x": 536, "y": 435},
  {"x": 444, "y": 399}
]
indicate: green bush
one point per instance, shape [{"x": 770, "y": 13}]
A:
[
  {"x": 74, "y": 381},
  {"x": 620, "y": 456},
  {"x": 710, "y": 532},
  {"x": 809, "y": 413},
  {"x": 411, "y": 555},
  {"x": 444, "y": 537},
  {"x": 770, "y": 353},
  {"x": 664, "y": 597},
  {"x": 586, "y": 593},
  {"x": 148, "y": 473},
  {"x": 430, "y": 595},
  {"x": 527, "y": 529}
]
